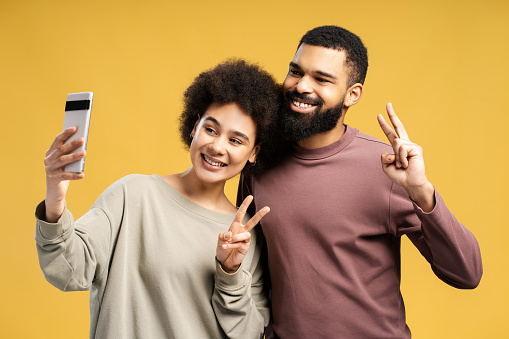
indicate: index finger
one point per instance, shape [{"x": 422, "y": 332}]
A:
[
  {"x": 60, "y": 139},
  {"x": 241, "y": 212},
  {"x": 256, "y": 218},
  {"x": 389, "y": 132},
  {"x": 398, "y": 125}
]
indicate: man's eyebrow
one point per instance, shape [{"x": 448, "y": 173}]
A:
[
  {"x": 294, "y": 65},
  {"x": 237, "y": 133},
  {"x": 325, "y": 74}
]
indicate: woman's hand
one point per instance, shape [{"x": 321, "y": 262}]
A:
[
  {"x": 57, "y": 180},
  {"x": 233, "y": 245}
]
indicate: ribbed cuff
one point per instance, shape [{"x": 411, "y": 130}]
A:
[
  {"x": 231, "y": 281},
  {"x": 50, "y": 231},
  {"x": 438, "y": 199}
]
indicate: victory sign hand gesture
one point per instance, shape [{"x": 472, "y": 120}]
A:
[
  {"x": 233, "y": 245},
  {"x": 405, "y": 166}
]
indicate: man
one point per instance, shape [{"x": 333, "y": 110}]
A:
[{"x": 337, "y": 214}]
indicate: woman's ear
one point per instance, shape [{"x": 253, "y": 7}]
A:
[
  {"x": 353, "y": 94},
  {"x": 193, "y": 132},
  {"x": 254, "y": 154}
]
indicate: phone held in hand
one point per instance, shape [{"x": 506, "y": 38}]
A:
[{"x": 78, "y": 108}]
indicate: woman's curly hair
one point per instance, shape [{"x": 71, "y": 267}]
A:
[{"x": 253, "y": 89}]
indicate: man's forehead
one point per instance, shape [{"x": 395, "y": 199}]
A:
[{"x": 319, "y": 59}]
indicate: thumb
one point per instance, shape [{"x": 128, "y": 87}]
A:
[{"x": 388, "y": 159}]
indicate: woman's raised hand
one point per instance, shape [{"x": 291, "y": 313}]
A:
[
  {"x": 233, "y": 244},
  {"x": 57, "y": 180}
]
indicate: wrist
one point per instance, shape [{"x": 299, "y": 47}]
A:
[
  {"x": 423, "y": 196},
  {"x": 228, "y": 270},
  {"x": 53, "y": 211}
]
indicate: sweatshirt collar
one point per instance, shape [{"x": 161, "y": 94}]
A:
[{"x": 326, "y": 151}]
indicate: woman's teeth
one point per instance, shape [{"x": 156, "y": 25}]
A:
[{"x": 213, "y": 163}]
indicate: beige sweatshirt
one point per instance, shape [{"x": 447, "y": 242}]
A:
[{"x": 147, "y": 255}]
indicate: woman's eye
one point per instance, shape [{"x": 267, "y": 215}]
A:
[
  {"x": 236, "y": 141},
  {"x": 210, "y": 130}
]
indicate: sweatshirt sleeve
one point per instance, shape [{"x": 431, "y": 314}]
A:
[
  {"x": 75, "y": 254},
  {"x": 447, "y": 245},
  {"x": 240, "y": 300},
  {"x": 72, "y": 255}
]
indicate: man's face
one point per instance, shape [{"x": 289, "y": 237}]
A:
[{"x": 315, "y": 89}]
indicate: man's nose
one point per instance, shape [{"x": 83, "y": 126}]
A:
[{"x": 304, "y": 85}]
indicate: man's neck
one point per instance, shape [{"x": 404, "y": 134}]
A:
[{"x": 325, "y": 138}]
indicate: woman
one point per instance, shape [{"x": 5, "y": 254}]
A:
[{"x": 146, "y": 247}]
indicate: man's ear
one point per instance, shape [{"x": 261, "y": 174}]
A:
[
  {"x": 254, "y": 154},
  {"x": 353, "y": 94}
]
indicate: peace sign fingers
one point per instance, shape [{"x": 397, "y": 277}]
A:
[
  {"x": 233, "y": 245},
  {"x": 242, "y": 212},
  {"x": 256, "y": 218},
  {"x": 399, "y": 130}
]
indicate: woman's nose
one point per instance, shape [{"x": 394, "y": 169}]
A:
[{"x": 217, "y": 146}]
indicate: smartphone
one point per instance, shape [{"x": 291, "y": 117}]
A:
[{"x": 77, "y": 113}]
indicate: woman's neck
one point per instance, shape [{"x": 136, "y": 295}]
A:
[{"x": 208, "y": 195}]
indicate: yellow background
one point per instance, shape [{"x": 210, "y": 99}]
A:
[{"x": 442, "y": 63}]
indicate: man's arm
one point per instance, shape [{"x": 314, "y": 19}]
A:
[{"x": 451, "y": 248}]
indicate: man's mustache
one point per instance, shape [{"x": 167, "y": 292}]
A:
[{"x": 290, "y": 95}]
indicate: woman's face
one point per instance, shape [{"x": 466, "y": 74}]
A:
[{"x": 223, "y": 141}]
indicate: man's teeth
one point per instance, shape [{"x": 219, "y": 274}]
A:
[
  {"x": 217, "y": 164},
  {"x": 301, "y": 104}
]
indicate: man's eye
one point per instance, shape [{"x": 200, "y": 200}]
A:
[
  {"x": 294, "y": 72},
  {"x": 321, "y": 80}
]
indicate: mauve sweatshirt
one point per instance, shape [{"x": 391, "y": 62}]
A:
[{"x": 333, "y": 240}]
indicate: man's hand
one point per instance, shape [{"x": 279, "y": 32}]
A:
[
  {"x": 405, "y": 166},
  {"x": 233, "y": 245}
]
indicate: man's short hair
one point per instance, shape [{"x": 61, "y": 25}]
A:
[{"x": 341, "y": 39}]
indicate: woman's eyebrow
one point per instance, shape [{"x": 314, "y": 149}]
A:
[
  {"x": 237, "y": 133},
  {"x": 213, "y": 120},
  {"x": 241, "y": 135}
]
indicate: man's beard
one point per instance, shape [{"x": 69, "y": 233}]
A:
[{"x": 298, "y": 126}]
